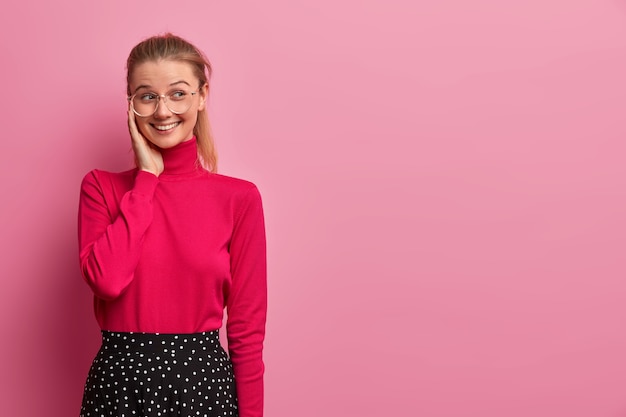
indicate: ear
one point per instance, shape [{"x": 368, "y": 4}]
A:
[{"x": 203, "y": 92}]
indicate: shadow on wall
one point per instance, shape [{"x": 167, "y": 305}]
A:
[
  {"x": 71, "y": 335},
  {"x": 59, "y": 337},
  {"x": 67, "y": 336}
]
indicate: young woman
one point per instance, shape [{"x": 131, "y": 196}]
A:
[{"x": 166, "y": 247}]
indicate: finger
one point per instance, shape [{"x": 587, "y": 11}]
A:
[
  {"x": 132, "y": 127},
  {"x": 131, "y": 120}
]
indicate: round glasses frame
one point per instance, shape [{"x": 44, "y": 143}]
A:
[{"x": 160, "y": 97}]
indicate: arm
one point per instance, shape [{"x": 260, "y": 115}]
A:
[
  {"x": 247, "y": 304},
  {"x": 110, "y": 247}
]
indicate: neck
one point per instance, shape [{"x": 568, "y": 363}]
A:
[{"x": 181, "y": 159}]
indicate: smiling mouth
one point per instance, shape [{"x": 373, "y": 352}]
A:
[{"x": 163, "y": 128}]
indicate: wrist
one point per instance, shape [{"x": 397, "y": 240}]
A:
[
  {"x": 150, "y": 171},
  {"x": 145, "y": 182}
]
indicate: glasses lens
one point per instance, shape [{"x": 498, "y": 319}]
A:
[
  {"x": 179, "y": 101},
  {"x": 145, "y": 104}
]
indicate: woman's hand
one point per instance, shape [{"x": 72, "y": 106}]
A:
[{"x": 148, "y": 158}]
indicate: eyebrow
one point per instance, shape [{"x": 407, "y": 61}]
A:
[{"x": 171, "y": 85}]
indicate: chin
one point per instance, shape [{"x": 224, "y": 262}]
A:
[{"x": 166, "y": 143}]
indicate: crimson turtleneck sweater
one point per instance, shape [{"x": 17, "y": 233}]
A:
[{"x": 167, "y": 254}]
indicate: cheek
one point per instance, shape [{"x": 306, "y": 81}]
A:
[
  {"x": 192, "y": 119},
  {"x": 143, "y": 127}
]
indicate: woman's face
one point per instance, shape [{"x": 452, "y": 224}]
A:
[{"x": 165, "y": 128}]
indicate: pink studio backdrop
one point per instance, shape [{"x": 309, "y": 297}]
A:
[{"x": 444, "y": 186}]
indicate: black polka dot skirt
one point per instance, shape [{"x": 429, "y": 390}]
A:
[{"x": 151, "y": 375}]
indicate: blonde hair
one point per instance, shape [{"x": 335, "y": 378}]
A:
[{"x": 175, "y": 48}]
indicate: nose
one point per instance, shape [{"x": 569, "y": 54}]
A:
[{"x": 162, "y": 111}]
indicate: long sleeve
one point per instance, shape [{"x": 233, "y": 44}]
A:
[
  {"x": 110, "y": 238},
  {"x": 247, "y": 303}
]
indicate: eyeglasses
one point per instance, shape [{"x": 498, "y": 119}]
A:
[{"x": 146, "y": 104}]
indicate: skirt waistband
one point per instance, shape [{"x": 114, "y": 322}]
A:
[{"x": 160, "y": 342}]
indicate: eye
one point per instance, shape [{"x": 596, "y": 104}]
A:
[
  {"x": 178, "y": 95},
  {"x": 148, "y": 97}
]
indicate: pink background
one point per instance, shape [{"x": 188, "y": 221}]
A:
[{"x": 444, "y": 185}]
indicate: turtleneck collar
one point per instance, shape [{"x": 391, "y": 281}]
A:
[{"x": 181, "y": 159}]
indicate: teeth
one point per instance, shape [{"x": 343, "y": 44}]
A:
[{"x": 166, "y": 127}]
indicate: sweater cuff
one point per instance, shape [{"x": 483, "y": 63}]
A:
[{"x": 145, "y": 183}]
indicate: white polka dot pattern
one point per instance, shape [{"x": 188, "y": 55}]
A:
[{"x": 158, "y": 375}]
